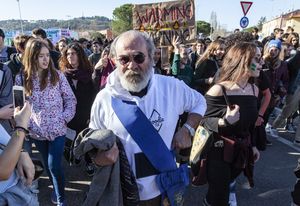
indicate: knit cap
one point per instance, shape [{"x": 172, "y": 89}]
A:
[{"x": 274, "y": 43}]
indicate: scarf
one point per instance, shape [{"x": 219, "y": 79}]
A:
[
  {"x": 273, "y": 63},
  {"x": 83, "y": 75}
]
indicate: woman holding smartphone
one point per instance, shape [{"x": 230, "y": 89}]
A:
[{"x": 53, "y": 106}]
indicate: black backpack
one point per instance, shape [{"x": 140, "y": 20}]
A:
[{"x": 10, "y": 51}]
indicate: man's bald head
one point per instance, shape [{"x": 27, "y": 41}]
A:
[{"x": 134, "y": 37}]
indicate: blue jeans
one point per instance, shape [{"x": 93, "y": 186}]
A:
[{"x": 52, "y": 153}]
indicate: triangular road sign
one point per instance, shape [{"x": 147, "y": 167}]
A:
[{"x": 246, "y": 6}]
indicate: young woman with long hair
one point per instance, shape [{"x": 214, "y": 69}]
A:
[
  {"x": 232, "y": 146},
  {"x": 53, "y": 106},
  {"x": 208, "y": 65},
  {"x": 293, "y": 39},
  {"x": 78, "y": 70}
]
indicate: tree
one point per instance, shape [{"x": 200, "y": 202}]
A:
[
  {"x": 96, "y": 35},
  {"x": 122, "y": 19},
  {"x": 260, "y": 22},
  {"x": 203, "y": 27},
  {"x": 249, "y": 29}
]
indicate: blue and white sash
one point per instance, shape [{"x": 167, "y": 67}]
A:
[{"x": 171, "y": 181}]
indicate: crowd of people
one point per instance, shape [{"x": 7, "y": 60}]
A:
[{"x": 137, "y": 113}]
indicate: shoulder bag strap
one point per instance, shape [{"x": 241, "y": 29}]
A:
[
  {"x": 225, "y": 96},
  {"x": 253, "y": 90}
]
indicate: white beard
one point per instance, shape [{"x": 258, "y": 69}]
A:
[{"x": 134, "y": 81}]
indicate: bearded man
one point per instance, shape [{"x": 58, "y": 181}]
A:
[{"x": 142, "y": 109}]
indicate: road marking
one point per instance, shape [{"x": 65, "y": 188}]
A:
[{"x": 286, "y": 142}]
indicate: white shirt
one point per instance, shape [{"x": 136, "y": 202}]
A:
[
  {"x": 13, "y": 179},
  {"x": 166, "y": 99}
]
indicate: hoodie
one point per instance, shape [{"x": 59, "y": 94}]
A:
[
  {"x": 165, "y": 100},
  {"x": 15, "y": 65}
]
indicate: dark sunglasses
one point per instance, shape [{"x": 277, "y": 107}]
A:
[{"x": 138, "y": 58}]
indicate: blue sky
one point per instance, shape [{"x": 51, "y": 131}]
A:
[{"x": 229, "y": 12}]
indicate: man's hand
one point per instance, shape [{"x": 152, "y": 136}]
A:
[
  {"x": 7, "y": 112},
  {"x": 182, "y": 139},
  {"x": 109, "y": 157},
  {"x": 25, "y": 168}
]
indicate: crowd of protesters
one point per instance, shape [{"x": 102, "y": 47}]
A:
[{"x": 233, "y": 86}]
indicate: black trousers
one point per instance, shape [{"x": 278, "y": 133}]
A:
[
  {"x": 219, "y": 176},
  {"x": 152, "y": 202}
]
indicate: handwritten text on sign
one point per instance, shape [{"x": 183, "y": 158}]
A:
[{"x": 166, "y": 19}]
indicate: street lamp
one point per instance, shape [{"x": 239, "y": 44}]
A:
[
  {"x": 68, "y": 19},
  {"x": 20, "y": 16}
]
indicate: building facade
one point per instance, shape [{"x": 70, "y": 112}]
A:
[{"x": 291, "y": 19}]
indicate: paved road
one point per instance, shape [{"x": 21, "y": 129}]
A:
[{"x": 274, "y": 180}]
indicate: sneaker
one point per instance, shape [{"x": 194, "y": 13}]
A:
[
  {"x": 232, "y": 199},
  {"x": 90, "y": 169},
  {"x": 268, "y": 128},
  {"x": 289, "y": 128},
  {"x": 273, "y": 132},
  {"x": 53, "y": 198},
  {"x": 205, "y": 203},
  {"x": 269, "y": 143}
]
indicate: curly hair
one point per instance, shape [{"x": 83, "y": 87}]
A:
[
  {"x": 238, "y": 37},
  {"x": 83, "y": 62}
]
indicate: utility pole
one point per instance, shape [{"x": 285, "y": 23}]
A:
[
  {"x": 213, "y": 22},
  {"x": 20, "y": 17}
]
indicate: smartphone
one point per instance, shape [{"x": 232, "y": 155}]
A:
[{"x": 18, "y": 96}]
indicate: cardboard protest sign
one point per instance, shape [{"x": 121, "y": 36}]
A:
[{"x": 165, "y": 20}]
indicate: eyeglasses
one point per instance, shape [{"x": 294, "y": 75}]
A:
[{"x": 138, "y": 58}]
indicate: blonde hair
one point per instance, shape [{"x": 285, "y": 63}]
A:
[{"x": 209, "y": 52}]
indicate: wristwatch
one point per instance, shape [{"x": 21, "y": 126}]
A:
[{"x": 191, "y": 129}]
